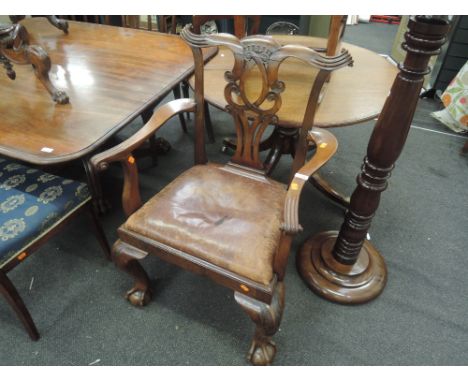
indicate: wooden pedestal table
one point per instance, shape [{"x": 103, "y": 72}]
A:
[{"x": 344, "y": 267}]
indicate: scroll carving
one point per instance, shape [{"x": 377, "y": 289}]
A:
[{"x": 263, "y": 56}]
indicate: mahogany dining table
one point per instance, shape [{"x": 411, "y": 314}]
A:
[
  {"x": 111, "y": 74},
  {"x": 352, "y": 95}
]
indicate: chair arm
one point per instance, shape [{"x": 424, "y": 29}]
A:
[
  {"x": 326, "y": 147},
  {"x": 131, "y": 199},
  {"x": 122, "y": 151}
]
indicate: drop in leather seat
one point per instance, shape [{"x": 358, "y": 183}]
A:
[{"x": 218, "y": 216}]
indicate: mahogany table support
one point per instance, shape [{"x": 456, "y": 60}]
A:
[
  {"x": 54, "y": 20},
  {"x": 321, "y": 184},
  {"x": 344, "y": 267},
  {"x": 14, "y": 47}
]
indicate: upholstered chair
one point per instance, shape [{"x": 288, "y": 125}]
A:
[{"x": 34, "y": 207}]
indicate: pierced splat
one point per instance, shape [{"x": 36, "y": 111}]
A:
[{"x": 261, "y": 57}]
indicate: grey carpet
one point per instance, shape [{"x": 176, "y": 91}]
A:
[{"x": 76, "y": 298}]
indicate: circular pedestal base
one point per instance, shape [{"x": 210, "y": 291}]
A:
[{"x": 345, "y": 284}]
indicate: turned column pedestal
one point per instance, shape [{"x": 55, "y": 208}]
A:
[{"x": 343, "y": 266}]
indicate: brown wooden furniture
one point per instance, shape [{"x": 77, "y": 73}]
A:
[
  {"x": 243, "y": 26},
  {"x": 352, "y": 96},
  {"x": 168, "y": 24},
  {"x": 15, "y": 47},
  {"x": 349, "y": 99},
  {"x": 148, "y": 23},
  {"x": 34, "y": 207},
  {"x": 465, "y": 148},
  {"x": 111, "y": 75},
  {"x": 97, "y": 19},
  {"x": 344, "y": 267},
  {"x": 335, "y": 33},
  {"x": 156, "y": 24},
  {"x": 54, "y": 20},
  {"x": 231, "y": 223}
]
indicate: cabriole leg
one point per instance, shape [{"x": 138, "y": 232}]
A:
[
  {"x": 267, "y": 319},
  {"x": 126, "y": 258}
]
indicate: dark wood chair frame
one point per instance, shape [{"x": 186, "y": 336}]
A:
[
  {"x": 8, "y": 290},
  {"x": 263, "y": 303},
  {"x": 243, "y": 26}
]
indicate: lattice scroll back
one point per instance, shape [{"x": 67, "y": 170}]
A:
[{"x": 262, "y": 55}]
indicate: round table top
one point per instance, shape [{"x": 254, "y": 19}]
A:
[{"x": 353, "y": 94}]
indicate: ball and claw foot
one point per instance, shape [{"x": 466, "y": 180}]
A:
[
  {"x": 138, "y": 297},
  {"x": 267, "y": 318},
  {"x": 262, "y": 352}
]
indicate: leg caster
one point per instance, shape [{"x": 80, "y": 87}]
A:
[
  {"x": 267, "y": 319},
  {"x": 126, "y": 258}
]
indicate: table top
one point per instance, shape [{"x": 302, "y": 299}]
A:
[
  {"x": 354, "y": 94},
  {"x": 111, "y": 75}
]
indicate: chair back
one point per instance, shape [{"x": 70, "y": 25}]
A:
[{"x": 261, "y": 56}]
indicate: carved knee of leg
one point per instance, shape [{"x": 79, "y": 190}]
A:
[{"x": 267, "y": 319}]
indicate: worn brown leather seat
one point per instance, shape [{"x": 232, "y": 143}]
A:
[
  {"x": 231, "y": 222},
  {"x": 218, "y": 216}
]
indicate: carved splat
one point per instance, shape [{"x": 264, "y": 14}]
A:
[{"x": 261, "y": 56}]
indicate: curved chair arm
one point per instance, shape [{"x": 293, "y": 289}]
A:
[
  {"x": 326, "y": 147},
  {"x": 131, "y": 200},
  {"x": 123, "y": 150}
]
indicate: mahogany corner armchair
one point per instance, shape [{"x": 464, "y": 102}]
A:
[{"x": 231, "y": 223}]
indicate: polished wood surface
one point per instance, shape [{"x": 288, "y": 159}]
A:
[
  {"x": 353, "y": 95},
  {"x": 111, "y": 75},
  {"x": 344, "y": 267}
]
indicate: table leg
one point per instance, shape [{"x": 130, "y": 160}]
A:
[
  {"x": 266, "y": 144},
  {"x": 326, "y": 188},
  {"x": 282, "y": 141},
  {"x": 344, "y": 267},
  {"x": 58, "y": 23},
  {"x": 100, "y": 205},
  {"x": 157, "y": 145},
  {"x": 209, "y": 124}
]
